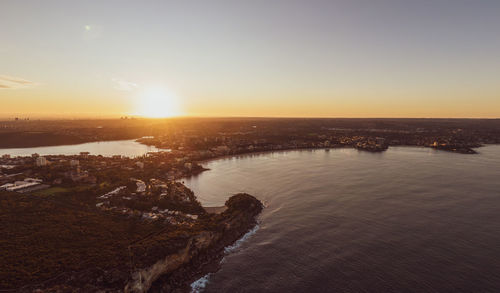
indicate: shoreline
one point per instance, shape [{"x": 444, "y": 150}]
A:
[
  {"x": 206, "y": 253},
  {"x": 230, "y": 156},
  {"x": 244, "y": 153},
  {"x": 215, "y": 210},
  {"x": 198, "y": 284},
  {"x": 18, "y": 146},
  {"x": 160, "y": 268},
  {"x": 81, "y": 143}
]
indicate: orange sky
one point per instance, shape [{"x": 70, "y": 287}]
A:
[{"x": 229, "y": 58}]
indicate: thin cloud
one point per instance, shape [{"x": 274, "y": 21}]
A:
[
  {"x": 10, "y": 82},
  {"x": 123, "y": 85}
]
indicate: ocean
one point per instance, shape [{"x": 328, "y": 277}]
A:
[{"x": 406, "y": 220}]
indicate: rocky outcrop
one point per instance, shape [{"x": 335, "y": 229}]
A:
[
  {"x": 168, "y": 260},
  {"x": 203, "y": 251}
]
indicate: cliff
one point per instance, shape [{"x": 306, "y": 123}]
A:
[
  {"x": 73, "y": 247},
  {"x": 203, "y": 251}
]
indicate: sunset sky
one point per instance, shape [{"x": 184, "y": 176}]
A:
[{"x": 346, "y": 58}]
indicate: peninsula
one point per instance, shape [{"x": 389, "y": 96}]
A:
[
  {"x": 56, "y": 244},
  {"x": 89, "y": 222}
]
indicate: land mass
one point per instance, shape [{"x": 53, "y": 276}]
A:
[
  {"x": 257, "y": 134},
  {"x": 64, "y": 244},
  {"x": 88, "y": 222}
]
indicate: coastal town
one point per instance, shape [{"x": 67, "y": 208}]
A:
[
  {"x": 67, "y": 195},
  {"x": 183, "y": 144},
  {"x": 144, "y": 186},
  {"x": 215, "y": 136},
  {"x": 85, "y": 198},
  {"x": 182, "y": 148}
]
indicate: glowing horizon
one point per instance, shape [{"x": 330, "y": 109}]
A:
[
  {"x": 250, "y": 59},
  {"x": 157, "y": 102}
]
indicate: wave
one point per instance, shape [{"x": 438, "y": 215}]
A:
[
  {"x": 240, "y": 241},
  {"x": 199, "y": 285}
]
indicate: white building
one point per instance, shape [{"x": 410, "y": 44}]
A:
[
  {"x": 141, "y": 186},
  {"x": 7, "y": 185},
  {"x": 41, "y": 161},
  {"x": 28, "y": 184}
]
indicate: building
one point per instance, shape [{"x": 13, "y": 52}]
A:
[
  {"x": 74, "y": 163},
  {"x": 78, "y": 175},
  {"x": 141, "y": 186},
  {"x": 140, "y": 165},
  {"x": 41, "y": 161},
  {"x": 5, "y": 186},
  {"x": 27, "y": 185}
]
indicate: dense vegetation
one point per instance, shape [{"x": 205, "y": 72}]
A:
[
  {"x": 60, "y": 240},
  {"x": 45, "y": 236}
]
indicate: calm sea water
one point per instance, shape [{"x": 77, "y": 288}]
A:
[
  {"x": 406, "y": 220},
  {"x": 129, "y": 148}
]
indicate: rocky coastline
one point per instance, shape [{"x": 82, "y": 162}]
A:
[
  {"x": 168, "y": 261},
  {"x": 205, "y": 251}
]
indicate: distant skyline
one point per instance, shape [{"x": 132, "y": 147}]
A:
[{"x": 281, "y": 58}]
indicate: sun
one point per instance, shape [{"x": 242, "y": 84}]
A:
[{"x": 158, "y": 102}]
